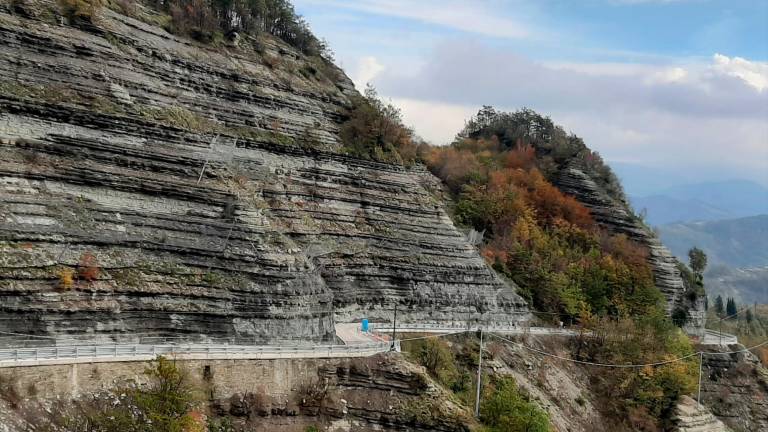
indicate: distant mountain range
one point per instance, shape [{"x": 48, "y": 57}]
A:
[
  {"x": 741, "y": 242},
  {"x": 746, "y": 285},
  {"x": 703, "y": 202},
  {"x": 737, "y": 251}
]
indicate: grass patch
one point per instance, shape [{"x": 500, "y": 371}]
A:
[
  {"x": 180, "y": 117},
  {"x": 79, "y": 11},
  {"x": 44, "y": 92}
]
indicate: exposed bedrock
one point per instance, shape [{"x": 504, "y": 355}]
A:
[{"x": 151, "y": 185}]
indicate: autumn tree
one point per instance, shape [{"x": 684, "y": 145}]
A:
[{"x": 88, "y": 267}]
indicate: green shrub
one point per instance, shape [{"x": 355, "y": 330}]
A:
[
  {"x": 180, "y": 117},
  {"x": 164, "y": 405},
  {"x": 208, "y": 20},
  {"x": 375, "y": 130},
  {"x": 436, "y": 356},
  {"x": 506, "y": 409}
]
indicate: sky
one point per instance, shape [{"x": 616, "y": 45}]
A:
[{"x": 677, "y": 87}]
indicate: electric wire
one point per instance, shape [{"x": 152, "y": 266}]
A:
[{"x": 594, "y": 363}]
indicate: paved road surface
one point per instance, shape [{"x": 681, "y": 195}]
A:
[
  {"x": 356, "y": 344},
  {"x": 351, "y": 333}
]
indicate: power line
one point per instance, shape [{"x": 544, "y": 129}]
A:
[
  {"x": 738, "y": 351},
  {"x": 436, "y": 335},
  {"x": 698, "y": 353},
  {"x": 594, "y": 363}
]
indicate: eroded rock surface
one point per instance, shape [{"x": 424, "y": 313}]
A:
[
  {"x": 207, "y": 188},
  {"x": 735, "y": 388},
  {"x": 692, "y": 417}
]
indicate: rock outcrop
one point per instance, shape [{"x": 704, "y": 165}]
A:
[
  {"x": 692, "y": 417},
  {"x": 150, "y": 184},
  {"x": 616, "y": 216},
  {"x": 735, "y": 388}
]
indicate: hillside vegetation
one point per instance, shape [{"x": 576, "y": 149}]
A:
[
  {"x": 544, "y": 240},
  {"x": 209, "y": 21},
  {"x": 499, "y": 173}
]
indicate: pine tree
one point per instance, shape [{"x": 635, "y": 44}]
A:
[
  {"x": 730, "y": 308},
  {"x": 719, "y": 309}
]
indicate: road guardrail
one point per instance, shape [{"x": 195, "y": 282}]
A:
[{"x": 35, "y": 356}]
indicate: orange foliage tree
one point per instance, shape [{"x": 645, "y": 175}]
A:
[
  {"x": 545, "y": 240},
  {"x": 88, "y": 267}
]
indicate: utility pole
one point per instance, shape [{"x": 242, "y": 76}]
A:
[
  {"x": 701, "y": 362},
  {"x": 721, "y": 332},
  {"x": 479, "y": 375},
  {"x": 394, "y": 330}
]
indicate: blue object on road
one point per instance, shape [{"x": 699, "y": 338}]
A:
[{"x": 365, "y": 325}]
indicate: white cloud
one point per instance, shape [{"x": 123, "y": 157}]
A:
[
  {"x": 691, "y": 115},
  {"x": 633, "y": 2},
  {"x": 753, "y": 73},
  {"x": 668, "y": 76},
  {"x": 436, "y": 122},
  {"x": 367, "y": 69}
]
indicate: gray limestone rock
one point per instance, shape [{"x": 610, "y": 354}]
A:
[{"x": 197, "y": 208}]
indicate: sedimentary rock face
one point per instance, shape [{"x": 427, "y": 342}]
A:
[{"x": 150, "y": 185}]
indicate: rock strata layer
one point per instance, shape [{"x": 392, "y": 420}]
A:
[
  {"x": 692, "y": 417},
  {"x": 151, "y": 185}
]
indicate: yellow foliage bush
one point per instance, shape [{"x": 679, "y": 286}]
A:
[
  {"x": 66, "y": 278},
  {"x": 83, "y": 10}
]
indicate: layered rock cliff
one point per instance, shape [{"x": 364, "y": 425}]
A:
[{"x": 151, "y": 184}]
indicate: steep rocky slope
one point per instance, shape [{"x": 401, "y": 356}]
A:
[
  {"x": 149, "y": 184},
  {"x": 735, "y": 388},
  {"x": 617, "y": 217}
]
